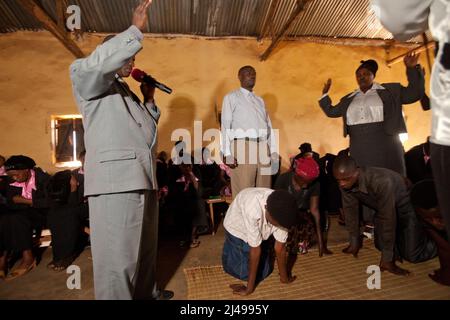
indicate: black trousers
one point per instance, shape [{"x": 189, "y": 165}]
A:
[
  {"x": 65, "y": 226},
  {"x": 413, "y": 243},
  {"x": 440, "y": 163},
  {"x": 16, "y": 228}
]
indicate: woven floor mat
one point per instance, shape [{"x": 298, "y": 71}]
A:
[{"x": 339, "y": 276}]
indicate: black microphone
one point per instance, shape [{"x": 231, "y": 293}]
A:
[{"x": 141, "y": 76}]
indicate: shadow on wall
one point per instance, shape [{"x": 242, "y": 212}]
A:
[
  {"x": 181, "y": 114},
  {"x": 271, "y": 102},
  {"x": 212, "y": 119}
]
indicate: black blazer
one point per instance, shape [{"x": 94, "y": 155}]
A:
[
  {"x": 40, "y": 195},
  {"x": 393, "y": 97}
]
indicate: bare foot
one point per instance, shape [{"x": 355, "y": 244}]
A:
[{"x": 393, "y": 268}]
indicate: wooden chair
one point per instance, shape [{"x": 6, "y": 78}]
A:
[{"x": 211, "y": 203}]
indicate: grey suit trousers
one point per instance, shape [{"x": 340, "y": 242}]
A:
[{"x": 124, "y": 240}]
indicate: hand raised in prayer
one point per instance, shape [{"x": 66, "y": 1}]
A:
[
  {"x": 140, "y": 14},
  {"x": 326, "y": 86},
  {"x": 411, "y": 59}
]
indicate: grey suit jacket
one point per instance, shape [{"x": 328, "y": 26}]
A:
[
  {"x": 120, "y": 131},
  {"x": 393, "y": 97}
]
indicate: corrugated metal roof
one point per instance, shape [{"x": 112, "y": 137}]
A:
[{"x": 214, "y": 18}]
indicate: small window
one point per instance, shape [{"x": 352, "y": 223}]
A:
[{"x": 67, "y": 140}]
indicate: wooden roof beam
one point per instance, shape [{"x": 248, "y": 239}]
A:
[
  {"x": 60, "y": 33},
  {"x": 429, "y": 45},
  {"x": 298, "y": 9}
]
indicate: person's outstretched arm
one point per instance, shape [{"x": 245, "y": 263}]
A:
[
  {"x": 416, "y": 80},
  {"x": 326, "y": 104},
  {"x": 253, "y": 262},
  {"x": 280, "y": 251},
  {"x": 93, "y": 75}
]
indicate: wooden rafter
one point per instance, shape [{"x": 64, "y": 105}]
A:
[
  {"x": 425, "y": 42},
  {"x": 269, "y": 20},
  {"x": 421, "y": 48},
  {"x": 300, "y": 5},
  {"x": 36, "y": 11}
]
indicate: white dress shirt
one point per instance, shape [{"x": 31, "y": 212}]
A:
[
  {"x": 244, "y": 115},
  {"x": 365, "y": 107},
  {"x": 246, "y": 218}
]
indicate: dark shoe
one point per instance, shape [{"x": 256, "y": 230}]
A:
[{"x": 165, "y": 295}]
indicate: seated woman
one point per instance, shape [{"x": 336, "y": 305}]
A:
[
  {"x": 26, "y": 209},
  {"x": 424, "y": 200},
  {"x": 64, "y": 219},
  {"x": 305, "y": 187}
]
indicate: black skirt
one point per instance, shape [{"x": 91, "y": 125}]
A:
[
  {"x": 371, "y": 146},
  {"x": 16, "y": 229}
]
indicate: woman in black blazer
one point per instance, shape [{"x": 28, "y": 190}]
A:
[{"x": 372, "y": 114}]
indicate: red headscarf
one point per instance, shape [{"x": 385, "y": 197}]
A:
[{"x": 307, "y": 168}]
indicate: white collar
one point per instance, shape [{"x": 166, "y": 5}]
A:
[
  {"x": 375, "y": 86},
  {"x": 246, "y": 92}
]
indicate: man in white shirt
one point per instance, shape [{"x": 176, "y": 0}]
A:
[
  {"x": 253, "y": 216},
  {"x": 248, "y": 141}
]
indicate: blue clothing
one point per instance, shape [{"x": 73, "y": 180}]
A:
[{"x": 235, "y": 258}]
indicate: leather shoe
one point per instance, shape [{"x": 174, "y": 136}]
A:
[{"x": 164, "y": 295}]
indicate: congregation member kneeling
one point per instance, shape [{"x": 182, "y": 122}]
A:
[
  {"x": 399, "y": 232},
  {"x": 253, "y": 216}
]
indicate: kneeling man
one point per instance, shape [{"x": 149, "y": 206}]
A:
[{"x": 398, "y": 231}]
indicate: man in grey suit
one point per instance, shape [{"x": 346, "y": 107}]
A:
[{"x": 120, "y": 179}]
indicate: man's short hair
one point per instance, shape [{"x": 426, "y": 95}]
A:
[
  {"x": 344, "y": 162},
  {"x": 283, "y": 208},
  {"x": 245, "y": 68}
]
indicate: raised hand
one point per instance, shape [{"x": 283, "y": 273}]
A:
[
  {"x": 140, "y": 14},
  {"x": 411, "y": 59},
  {"x": 326, "y": 86}
]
